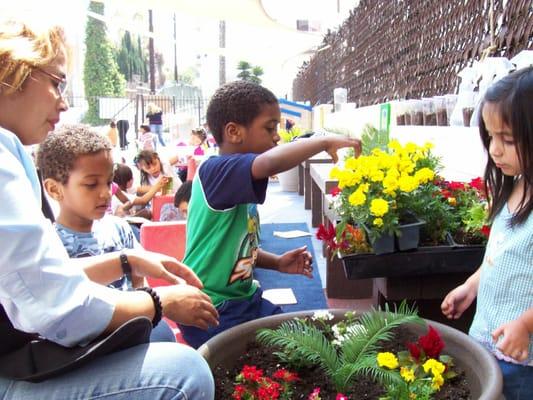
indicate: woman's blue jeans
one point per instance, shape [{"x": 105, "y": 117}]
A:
[
  {"x": 158, "y": 130},
  {"x": 154, "y": 371}
]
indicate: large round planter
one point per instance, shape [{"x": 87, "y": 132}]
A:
[
  {"x": 481, "y": 368},
  {"x": 288, "y": 180}
]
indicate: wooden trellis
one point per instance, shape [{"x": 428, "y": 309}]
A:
[{"x": 391, "y": 49}]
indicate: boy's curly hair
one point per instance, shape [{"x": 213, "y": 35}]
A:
[
  {"x": 60, "y": 150},
  {"x": 239, "y": 102}
]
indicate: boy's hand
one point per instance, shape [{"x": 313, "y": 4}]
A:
[
  {"x": 457, "y": 301},
  {"x": 297, "y": 261},
  {"x": 336, "y": 142},
  {"x": 514, "y": 340},
  {"x": 188, "y": 305},
  {"x": 160, "y": 266}
]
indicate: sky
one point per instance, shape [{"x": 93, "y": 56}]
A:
[{"x": 278, "y": 51}]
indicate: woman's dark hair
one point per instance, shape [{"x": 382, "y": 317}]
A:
[
  {"x": 183, "y": 193},
  {"x": 239, "y": 102},
  {"x": 513, "y": 95},
  {"x": 122, "y": 174},
  {"x": 149, "y": 157}
]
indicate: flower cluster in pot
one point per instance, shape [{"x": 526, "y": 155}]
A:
[{"x": 385, "y": 188}]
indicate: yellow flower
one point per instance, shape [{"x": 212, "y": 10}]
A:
[
  {"x": 452, "y": 201},
  {"x": 387, "y": 360},
  {"x": 378, "y": 222},
  {"x": 424, "y": 175},
  {"x": 379, "y": 207},
  {"x": 407, "y": 183},
  {"x": 407, "y": 374},
  {"x": 436, "y": 367},
  {"x": 437, "y": 381},
  {"x": 357, "y": 198}
]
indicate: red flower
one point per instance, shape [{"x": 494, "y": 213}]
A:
[
  {"x": 485, "y": 230},
  {"x": 238, "y": 391},
  {"x": 286, "y": 376},
  {"x": 478, "y": 184},
  {"x": 251, "y": 373},
  {"x": 414, "y": 351},
  {"x": 325, "y": 232},
  {"x": 340, "y": 396},
  {"x": 335, "y": 191},
  {"x": 431, "y": 343}
]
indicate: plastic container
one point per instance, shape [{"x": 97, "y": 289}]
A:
[
  {"x": 417, "y": 112},
  {"x": 340, "y": 96},
  {"x": 430, "y": 118},
  {"x": 439, "y": 102},
  {"x": 400, "y": 108},
  {"x": 451, "y": 101}
]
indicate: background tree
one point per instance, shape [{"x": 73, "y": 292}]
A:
[
  {"x": 101, "y": 76},
  {"x": 249, "y": 72},
  {"x": 131, "y": 59}
]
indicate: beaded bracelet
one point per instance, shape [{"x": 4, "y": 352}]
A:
[{"x": 157, "y": 304}]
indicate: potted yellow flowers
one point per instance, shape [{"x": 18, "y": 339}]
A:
[{"x": 382, "y": 190}]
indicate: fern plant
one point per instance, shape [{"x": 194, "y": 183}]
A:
[{"x": 303, "y": 343}]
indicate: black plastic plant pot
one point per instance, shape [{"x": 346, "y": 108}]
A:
[
  {"x": 409, "y": 236},
  {"x": 422, "y": 261},
  {"x": 383, "y": 244}
]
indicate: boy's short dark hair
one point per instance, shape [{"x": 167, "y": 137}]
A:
[
  {"x": 122, "y": 175},
  {"x": 60, "y": 150},
  {"x": 239, "y": 102},
  {"x": 183, "y": 193},
  {"x": 145, "y": 128}
]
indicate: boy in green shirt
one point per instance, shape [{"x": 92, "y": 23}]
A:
[{"x": 222, "y": 225}]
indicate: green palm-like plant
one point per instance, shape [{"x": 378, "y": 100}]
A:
[{"x": 303, "y": 343}]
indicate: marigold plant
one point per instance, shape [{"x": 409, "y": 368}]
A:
[{"x": 380, "y": 190}]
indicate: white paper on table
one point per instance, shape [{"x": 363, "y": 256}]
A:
[
  {"x": 280, "y": 296},
  {"x": 291, "y": 234}
]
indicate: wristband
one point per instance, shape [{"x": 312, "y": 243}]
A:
[
  {"x": 157, "y": 304},
  {"x": 125, "y": 264}
]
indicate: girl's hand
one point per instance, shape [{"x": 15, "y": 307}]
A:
[
  {"x": 336, "y": 142},
  {"x": 188, "y": 305},
  {"x": 457, "y": 301},
  {"x": 512, "y": 339},
  {"x": 297, "y": 261},
  {"x": 160, "y": 266},
  {"x": 161, "y": 182}
]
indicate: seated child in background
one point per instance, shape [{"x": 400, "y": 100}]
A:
[
  {"x": 178, "y": 210},
  {"x": 146, "y": 138},
  {"x": 77, "y": 169},
  {"x": 152, "y": 168},
  {"x": 222, "y": 224},
  {"x": 123, "y": 202},
  {"x": 198, "y": 140}
]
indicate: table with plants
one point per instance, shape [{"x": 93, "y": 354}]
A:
[{"x": 401, "y": 223}]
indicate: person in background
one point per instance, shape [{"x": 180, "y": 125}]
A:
[
  {"x": 152, "y": 168},
  {"x": 199, "y": 141},
  {"x": 503, "y": 285},
  {"x": 222, "y": 222},
  {"x": 124, "y": 203},
  {"x": 178, "y": 210},
  {"x": 112, "y": 133},
  {"x": 45, "y": 296},
  {"x": 146, "y": 138},
  {"x": 76, "y": 166},
  {"x": 123, "y": 125},
  {"x": 155, "y": 120}
]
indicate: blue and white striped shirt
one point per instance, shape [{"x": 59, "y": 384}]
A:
[{"x": 506, "y": 282}]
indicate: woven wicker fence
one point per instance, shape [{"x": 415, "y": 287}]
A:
[{"x": 392, "y": 49}]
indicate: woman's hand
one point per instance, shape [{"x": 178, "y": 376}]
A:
[
  {"x": 161, "y": 182},
  {"x": 297, "y": 261},
  {"x": 159, "y": 266},
  {"x": 188, "y": 305}
]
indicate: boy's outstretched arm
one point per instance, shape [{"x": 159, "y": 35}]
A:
[
  {"x": 297, "y": 261},
  {"x": 283, "y": 158}
]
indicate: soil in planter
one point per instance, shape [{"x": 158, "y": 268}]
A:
[
  {"x": 364, "y": 388},
  {"x": 462, "y": 237}
]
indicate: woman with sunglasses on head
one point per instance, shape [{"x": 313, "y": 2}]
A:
[{"x": 60, "y": 325}]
